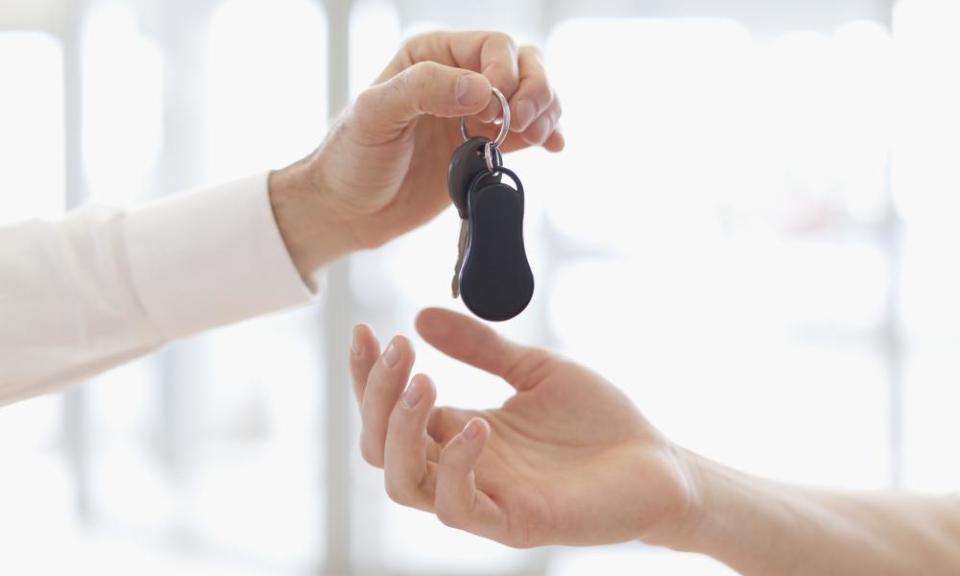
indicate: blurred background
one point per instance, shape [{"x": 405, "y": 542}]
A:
[{"x": 752, "y": 232}]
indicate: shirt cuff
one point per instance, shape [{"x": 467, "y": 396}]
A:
[{"x": 211, "y": 257}]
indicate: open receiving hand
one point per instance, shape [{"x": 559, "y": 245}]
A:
[
  {"x": 382, "y": 169},
  {"x": 566, "y": 460}
]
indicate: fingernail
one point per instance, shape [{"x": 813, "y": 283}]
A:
[
  {"x": 356, "y": 347},
  {"x": 472, "y": 430},
  {"x": 472, "y": 90},
  {"x": 391, "y": 356},
  {"x": 412, "y": 395},
  {"x": 525, "y": 113}
]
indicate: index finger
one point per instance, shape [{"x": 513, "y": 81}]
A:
[
  {"x": 493, "y": 54},
  {"x": 477, "y": 344}
]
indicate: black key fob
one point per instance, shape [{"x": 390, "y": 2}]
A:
[{"x": 496, "y": 282}]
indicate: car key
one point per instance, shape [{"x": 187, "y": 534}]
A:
[
  {"x": 492, "y": 273},
  {"x": 468, "y": 160},
  {"x": 496, "y": 282}
]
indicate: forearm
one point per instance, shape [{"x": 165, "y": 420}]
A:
[
  {"x": 760, "y": 527},
  {"x": 103, "y": 286}
]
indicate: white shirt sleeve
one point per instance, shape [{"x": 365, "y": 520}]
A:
[{"x": 103, "y": 286}]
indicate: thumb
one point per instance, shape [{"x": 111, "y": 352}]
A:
[
  {"x": 424, "y": 88},
  {"x": 475, "y": 343}
]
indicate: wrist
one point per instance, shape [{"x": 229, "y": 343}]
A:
[
  {"x": 691, "y": 476},
  {"x": 314, "y": 230},
  {"x": 709, "y": 489},
  {"x": 736, "y": 518}
]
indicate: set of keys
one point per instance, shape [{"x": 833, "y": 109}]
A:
[{"x": 492, "y": 274}]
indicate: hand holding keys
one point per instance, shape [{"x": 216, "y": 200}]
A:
[{"x": 492, "y": 273}]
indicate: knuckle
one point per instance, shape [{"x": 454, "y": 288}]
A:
[
  {"x": 408, "y": 43},
  {"x": 369, "y": 454},
  {"x": 367, "y": 108},
  {"x": 524, "y": 532},
  {"x": 516, "y": 542},
  {"x": 537, "y": 135},
  {"x": 448, "y": 516},
  {"x": 506, "y": 40},
  {"x": 404, "y": 81},
  {"x": 398, "y": 89},
  {"x": 551, "y": 115},
  {"x": 539, "y": 89},
  {"x": 537, "y": 357},
  {"x": 554, "y": 116},
  {"x": 396, "y": 491},
  {"x": 532, "y": 51},
  {"x": 419, "y": 78},
  {"x": 368, "y": 99},
  {"x": 505, "y": 71},
  {"x": 421, "y": 37},
  {"x": 529, "y": 365},
  {"x": 424, "y": 71},
  {"x": 411, "y": 44},
  {"x": 520, "y": 544},
  {"x": 538, "y": 83}
]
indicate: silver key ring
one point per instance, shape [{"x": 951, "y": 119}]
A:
[
  {"x": 504, "y": 126},
  {"x": 489, "y": 156}
]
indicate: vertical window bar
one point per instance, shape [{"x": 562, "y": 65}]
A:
[
  {"x": 337, "y": 319},
  {"x": 76, "y": 425}
]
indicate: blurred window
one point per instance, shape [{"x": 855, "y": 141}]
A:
[
  {"x": 36, "y": 496},
  {"x": 750, "y": 232}
]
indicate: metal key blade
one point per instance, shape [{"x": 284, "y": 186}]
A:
[{"x": 461, "y": 255}]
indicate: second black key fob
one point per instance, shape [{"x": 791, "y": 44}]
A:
[{"x": 496, "y": 282}]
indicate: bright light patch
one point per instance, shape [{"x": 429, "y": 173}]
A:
[
  {"x": 374, "y": 38},
  {"x": 266, "y": 92},
  {"x": 31, "y": 127},
  {"x": 122, "y": 105}
]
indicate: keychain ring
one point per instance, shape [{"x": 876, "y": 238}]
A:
[
  {"x": 504, "y": 126},
  {"x": 490, "y": 156}
]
